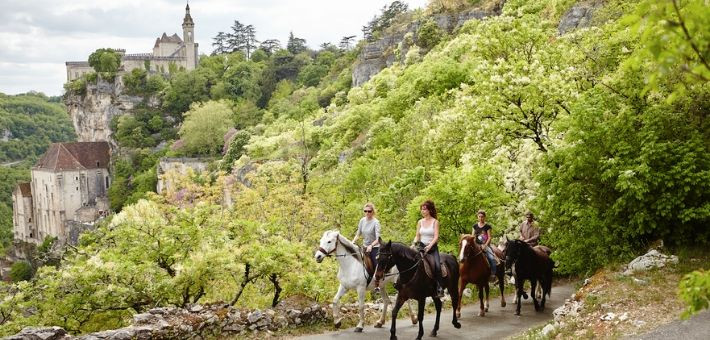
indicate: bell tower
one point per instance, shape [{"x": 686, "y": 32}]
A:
[{"x": 188, "y": 37}]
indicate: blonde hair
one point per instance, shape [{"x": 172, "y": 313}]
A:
[{"x": 371, "y": 206}]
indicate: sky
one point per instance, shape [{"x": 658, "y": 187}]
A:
[{"x": 38, "y": 36}]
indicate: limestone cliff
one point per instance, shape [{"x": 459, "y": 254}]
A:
[
  {"x": 379, "y": 54},
  {"x": 92, "y": 112}
]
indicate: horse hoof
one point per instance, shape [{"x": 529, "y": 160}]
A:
[
  {"x": 393, "y": 337},
  {"x": 432, "y": 334},
  {"x": 415, "y": 320},
  {"x": 517, "y": 313},
  {"x": 502, "y": 304},
  {"x": 337, "y": 324},
  {"x": 358, "y": 330},
  {"x": 378, "y": 324},
  {"x": 456, "y": 324},
  {"x": 481, "y": 313},
  {"x": 486, "y": 308}
]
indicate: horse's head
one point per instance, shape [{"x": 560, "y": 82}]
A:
[
  {"x": 328, "y": 244},
  {"x": 467, "y": 247},
  {"x": 512, "y": 252},
  {"x": 384, "y": 260}
]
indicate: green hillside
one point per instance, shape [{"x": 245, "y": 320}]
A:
[{"x": 602, "y": 132}]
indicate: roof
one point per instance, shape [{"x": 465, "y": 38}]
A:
[
  {"x": 25, "y": 188},
  {"x": 169, "y": 39},
  {"x": 76, "y": 156}
]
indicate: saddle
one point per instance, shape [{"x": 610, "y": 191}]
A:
[
  {"x": 429, "y": 267},
  {"x": 543, "y": 249},
  {"x": 369, "y": 266}
]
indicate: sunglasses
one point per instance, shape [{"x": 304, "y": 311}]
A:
[{"x": 367, "y": 211}]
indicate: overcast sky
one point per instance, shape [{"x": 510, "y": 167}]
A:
[{"x": 38, "y": 36}]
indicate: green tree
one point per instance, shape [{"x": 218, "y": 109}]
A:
[
  {"x": 204, "y": 127},
  {"x": 20, "y": 271},
  {"x": 105, "y": 61}
]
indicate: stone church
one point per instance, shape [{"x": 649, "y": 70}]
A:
[
  {"x": 168, "y": 52},
  {"x": 68, "y": 188}
]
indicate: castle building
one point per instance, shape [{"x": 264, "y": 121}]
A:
[
  {"x": 169, "y": 52},
  {"x": 69, "y": 185}
]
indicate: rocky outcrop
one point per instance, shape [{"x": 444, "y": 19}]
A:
[
  {"x": 579, "y": 16},
  {"x": 652, "y": 259},
  {"x": 5, "y": 135},
  {"x": 380, "y": 54},
  {"x": 92, "y": 113},
  {"x": 181, "y": 166}
]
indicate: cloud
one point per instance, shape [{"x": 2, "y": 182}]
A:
[{"x": 40, "y": 35}]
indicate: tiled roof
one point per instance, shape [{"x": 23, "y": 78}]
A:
[
  {"x": 25, "y": 189},
  {"x": 76, "y": 156},
  {"x": 169, "y": 39}
]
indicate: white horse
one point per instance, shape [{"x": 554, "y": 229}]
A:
[{"x": 353, "y": 275}]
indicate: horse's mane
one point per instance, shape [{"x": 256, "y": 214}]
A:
[
  {"x": 405, "y": 251},
  {"x": 350, "y": 247}
]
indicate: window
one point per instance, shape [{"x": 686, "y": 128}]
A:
[
  {"x": 76, "y": 178},
  {"x": 97, "y": 164},
  {"x": 106, "y": 182},
  {"x": 29, "y": 219}
]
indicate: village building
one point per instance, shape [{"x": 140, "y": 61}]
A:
[
  {"x": 68, "y": 187},
  {"x": 169, "y": 52}
]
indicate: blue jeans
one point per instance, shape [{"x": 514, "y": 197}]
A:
[{"x": 491, "y": 260}]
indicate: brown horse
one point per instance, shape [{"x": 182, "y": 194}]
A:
[
  {"x": 414, "y": 283},
  {"x": 475, "y": 269}
]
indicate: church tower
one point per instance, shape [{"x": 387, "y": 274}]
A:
[{"x": 188, "y": 37}]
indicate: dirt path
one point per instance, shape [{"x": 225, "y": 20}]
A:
[
  {"x": 497, "y": 324},
  {"x": 697, "y": 327}
]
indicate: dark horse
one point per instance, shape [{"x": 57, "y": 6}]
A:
[
  {"x": 532, "y": 264},
  {"x": 414, "y": 283},
  {"x": 475, "y": 269}
]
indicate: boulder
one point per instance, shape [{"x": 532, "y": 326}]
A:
[
  {"x": 579, "y": 16},
  {"x": 652, "y": 259},
  {"x": 40, "y": 333}
]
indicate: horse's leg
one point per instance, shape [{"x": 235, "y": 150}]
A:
[
  {"x": 480, "y": 300},
  {"x": 518, "y": 293},
  {"x": 542, "y": 286},
  {"x": 501, "y": 285},
  {"x": 336, "y": 310},
  {"x": 487, "y": 286},
  {"x": 385, "y": 305},
  {"x": 420, "y": 314},
  {"x": 456, "y": 299},
  {"x": 533, "y": 286},
  {"x": 395, "y": 310},
  {"x": 411, "y": 313},
  {"x": 437, "y": 304},
  {"x": 361, "y": 300},
  {"x": 462, "y": 286}
]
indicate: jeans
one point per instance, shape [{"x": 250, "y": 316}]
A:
[
  {"x": 491, "y": 260},
  {"x": 373, "y": 256}
]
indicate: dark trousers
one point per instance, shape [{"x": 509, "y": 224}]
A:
[
  {"x": 373, "y": 256},
  {"x": 434, "y": 252}
]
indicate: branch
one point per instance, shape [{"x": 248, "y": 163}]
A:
[{"x": 687, "y": 35}]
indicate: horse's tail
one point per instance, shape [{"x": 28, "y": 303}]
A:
[{"x": 549, "y": 277}]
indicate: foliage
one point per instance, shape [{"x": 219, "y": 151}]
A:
[
  {"x": 379, "y": 23},
  {"x": 137, "y": 82},
  {"x": 694, "y": 290},
  {"x": 20, "y": 271},
  {"x": 204, "y": 127},
  {"x": 236, "y": 149},
  {"x": 429, "y": 34},
  {"x": 105, "y": 62}
]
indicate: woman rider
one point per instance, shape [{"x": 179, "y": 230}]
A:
[
  {"x": 482, "y": 232},
  {"x": 369, "y": 228},
  {"x": 428, "y": 237}
]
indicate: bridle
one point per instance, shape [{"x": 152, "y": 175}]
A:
[
  {"x": 389, "y": 257},
  {"x": 465, "y": 257}
]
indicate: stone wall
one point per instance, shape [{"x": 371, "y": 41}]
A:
[
  {"x": 180, "y": 166},
  {"x": 196, "y": 322}
]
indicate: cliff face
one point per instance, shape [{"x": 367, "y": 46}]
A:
[
  {"x": 379, "y": 54},
  {"x": 92, "y": 113}
]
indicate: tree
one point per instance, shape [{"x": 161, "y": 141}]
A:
[
  {"x": 204, "y": 127},
  {"x": 105, "y": 61},
  {"x": 270, "y": 46},
  {"x": 220, "y": 43},
  {"x": 346, "y": 42},
  {"x": 249, "y": 40},
  {"x": 20, "y": 271},
  {"x": 295, "y": 45}
]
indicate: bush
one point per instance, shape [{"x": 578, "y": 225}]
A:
[
  {"x": 429, "y": 34},
  {"x": 21, "y": 271}
]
